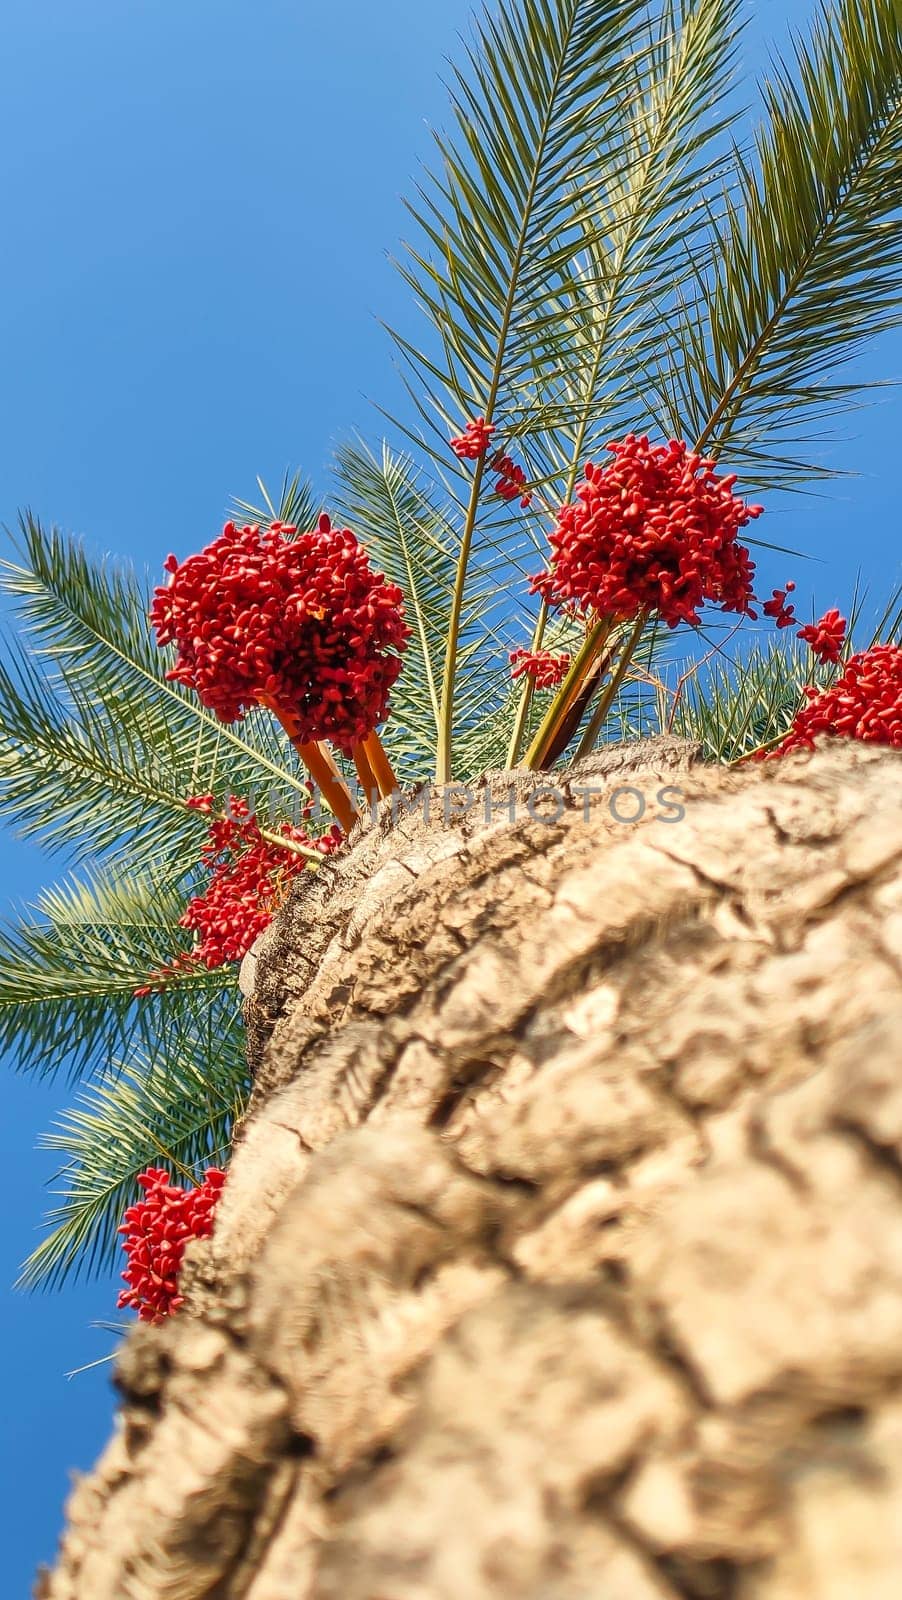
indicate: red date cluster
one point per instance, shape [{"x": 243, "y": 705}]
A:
[
  {"x": 654, "y": 529},
  {"x": 545, "y": 669},
  {"x": 155, "y": 1233},
  {"x": 299, "y": 622},
  {"x": 511, "y": 481},
  {"x": 781, "y": 609},
  {"x": 864, "y": 703},
  {"x": 249, "y": 878},
  {"x": 827, "y": 636},
  {"x": 474, "y": 441}
]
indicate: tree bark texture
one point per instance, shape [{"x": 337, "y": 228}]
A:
[{"x": 561, "y": 1252}]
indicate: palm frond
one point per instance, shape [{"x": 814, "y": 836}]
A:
[
  {"x": 70, "y": 966},
  {"x": 659, "y": 165},
  {"x": 86, "y": 777},
  {"x": 295, "y": 504},
  {"x": 743, "y": 700},
  {"x": 175, "y": 1111},
  {"x": 805, "y": 265},
  {"x": 411, "y": 539},
  {"x": 408, "y": 526},
  {"x": 542, "y": 91},
  {"x": 887, "y": 626}
]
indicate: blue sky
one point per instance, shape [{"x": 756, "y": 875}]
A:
[{"x": 198, "y": 201}]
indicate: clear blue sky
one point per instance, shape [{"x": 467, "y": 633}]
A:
[{"x": 198, "y": 198}]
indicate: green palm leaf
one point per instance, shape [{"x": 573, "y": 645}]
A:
[
  {"x": 411, "y": 539},
  {"x": 544, "y": 84},
  {"x": 84, "y": 776},
  {"x": 744, "y": 700},
  {"x": 658, "y": 168},
  {"x": 295, "y": 504},
  {"x": 805, "y": 265},
  {"x": 70, "y": 966},
  {"x": 173, "y": 1109}
]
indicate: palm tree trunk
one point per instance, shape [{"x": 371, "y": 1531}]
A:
[{"x": 561, "y": 1253}]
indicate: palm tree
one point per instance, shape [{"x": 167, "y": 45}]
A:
[{"x": 600, "y": 249}]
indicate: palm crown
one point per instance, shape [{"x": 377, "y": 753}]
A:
[{"x": 595, "y": 254}]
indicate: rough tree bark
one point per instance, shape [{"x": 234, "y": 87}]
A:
[{"x": 561, "y": 1254}]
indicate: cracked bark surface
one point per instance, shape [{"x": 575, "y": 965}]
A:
[{"x": 561, "y": 1253}]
